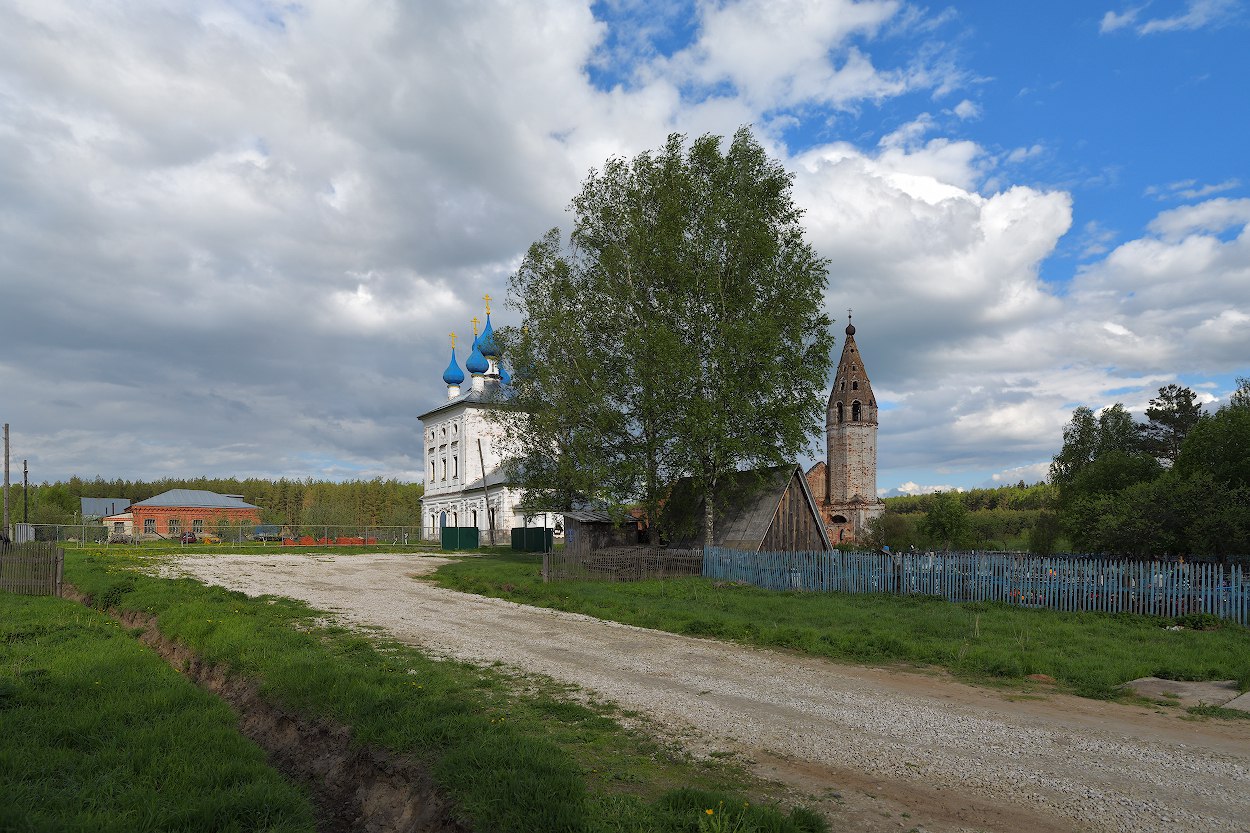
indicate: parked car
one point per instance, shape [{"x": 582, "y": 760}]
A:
[
  {"x": 188, "y": 538},
  {"x": 267, "y": 532}
]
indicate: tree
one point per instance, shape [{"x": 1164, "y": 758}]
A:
[
  {"x": 1117, "y": 431},
  {"x": 946, "y": 522},
  {"x": 1219, "y": 446},
  {"x": 1080, "y": 442},
  {"x": 1171, "y": 416},
  {"x": 678, "y": 333},
  {"x": 1240, "y": 398}
]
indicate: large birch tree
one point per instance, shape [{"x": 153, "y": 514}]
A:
[{"x": 678, "y": 332}]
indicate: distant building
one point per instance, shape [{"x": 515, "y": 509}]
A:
[
  {"x": 172, "y": 513},
  {"x": 95, "y": 508},
  {"x": 123, "y": 523},
  {"x": 845, "y": 485}
]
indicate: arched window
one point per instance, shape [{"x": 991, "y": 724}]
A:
[
  {"x": 855, "y": 385},
  {"x": 431, "y": 471},
  {"x": 838, "y": 519},
  {"x": 455, "y": 519},
  {"x": 841, "y": 415},
  {"x": 475, "y": 517},
  {"x": 842, "y": 385},
  {"x": 444, "y": 468},
  {"x": 455, "y": 466},
  {"x": 855, "y": 411},
  {"x": 442, "y": 520}
]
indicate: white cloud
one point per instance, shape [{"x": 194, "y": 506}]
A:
[
  {"x": 1189, "y": 189},
  {"x": 967, "y": 110},
  {"x": 1198, "y": 14}
]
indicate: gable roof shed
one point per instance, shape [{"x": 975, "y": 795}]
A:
[{"x": 768, "y": 509}]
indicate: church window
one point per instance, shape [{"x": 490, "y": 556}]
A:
[
  {"x": 842, "y": 385},
  {"x": 431, "y": 471},
  {"x": 838, "y": 519},
  {"x": 475, "y": 517},
  {"x": 841, "y": 414},
  {"x": 455, "y": 519},
  {"x": 455, "y": 467},
  {"x": 443, "y": 431},
  {"x": 855, "y": 385},
  {"x": 855, "y": 411},
  {"x": 444, "y": 468}
]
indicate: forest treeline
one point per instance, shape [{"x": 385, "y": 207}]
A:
[
  {"x": 1176, "y": 484},
  {"x": 376, "y": 502}
]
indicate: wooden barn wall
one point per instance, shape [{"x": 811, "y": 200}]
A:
[{"x": 794, "y": 526}]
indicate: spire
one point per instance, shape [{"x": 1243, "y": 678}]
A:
[{"x": 850, "y": 328}]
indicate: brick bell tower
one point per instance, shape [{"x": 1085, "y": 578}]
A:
[{"x": 850, "y": 493}]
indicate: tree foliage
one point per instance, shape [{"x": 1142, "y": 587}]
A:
[
  {"x": 1169, "y": 419},
  {"x": 678, "y": 333},
  {"x": 1123, "y": 500},
  {"x": 946, "y": 523}
]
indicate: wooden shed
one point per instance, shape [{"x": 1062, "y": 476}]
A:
[
  {"x": 767, "y": 510},
  {"x": 595, "y": 529}
]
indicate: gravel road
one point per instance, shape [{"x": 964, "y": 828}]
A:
[{"x": 879, "y": 750}]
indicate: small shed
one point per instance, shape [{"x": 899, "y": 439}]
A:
[
  {"x": 760, "y": 510},
  {"x": 596, "y": 529}
]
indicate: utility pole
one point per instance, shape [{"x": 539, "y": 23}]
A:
[
  {"x": 5, "y": 529},
  {"x": 25, "y": 500}
]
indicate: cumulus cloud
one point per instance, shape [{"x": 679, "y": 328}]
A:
[{"x": 235, "y": 242}]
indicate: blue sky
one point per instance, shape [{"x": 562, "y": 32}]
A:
[{"x": 234, "y": 235}]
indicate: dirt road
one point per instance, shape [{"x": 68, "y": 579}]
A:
[{"x": 883, "y": 750}]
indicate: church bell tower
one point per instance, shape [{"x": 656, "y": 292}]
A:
[{"x": 850, "y": 493}]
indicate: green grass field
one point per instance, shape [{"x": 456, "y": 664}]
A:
[
  {"x": 514, "y": 754},
  {"x": 97, "y": 733},
  {"x": 1088, "y": 653}
]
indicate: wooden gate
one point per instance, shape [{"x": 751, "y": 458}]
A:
[{"x": 31, "y": 569}]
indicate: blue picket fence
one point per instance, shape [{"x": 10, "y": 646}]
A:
[{"x": 1074, "y": 584}]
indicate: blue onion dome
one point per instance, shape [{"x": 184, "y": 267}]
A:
[
  {"x": 486, "y": 341},
  {"x": 453, "y": 375},
  {"x": 504, "y": 376},
  {"x": 477, "y": 363}
]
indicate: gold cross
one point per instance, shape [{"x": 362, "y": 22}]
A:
[
  {"x": 453, "y": 341},
  {"x": 474, "y": 320},
  {"x": 486, "y": 298}
]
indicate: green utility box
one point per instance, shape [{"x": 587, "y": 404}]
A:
[
  {"x": 531, "y": 539},
  {"x": 459, "y": 538}
]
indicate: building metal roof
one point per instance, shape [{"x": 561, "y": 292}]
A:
[
  {"x": 99, "y": 507},
  {"x": 196, "y": 499}
]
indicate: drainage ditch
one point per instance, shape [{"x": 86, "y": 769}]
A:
[{"x": 354, "y": 789}]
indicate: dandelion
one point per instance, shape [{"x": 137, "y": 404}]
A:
[{"x": 710, "y": 811}]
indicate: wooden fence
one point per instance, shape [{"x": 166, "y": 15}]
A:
[
  {"x": 620, "y": 563},
  {"x": 32, "y": 569},
  {"x": 1073, "y": 584}
]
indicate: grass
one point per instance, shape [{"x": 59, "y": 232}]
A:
[
  {"x": 515, "y": 754},
  {"x": 100, "y": 734},
  {"x": 1091, "y": 654}
]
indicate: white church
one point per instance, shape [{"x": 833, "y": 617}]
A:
[{"x": 464, "y": 480}]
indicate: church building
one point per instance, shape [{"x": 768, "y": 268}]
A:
[
  {"x": 464, "y": 482},
  {"x": 845, "y": 485}
]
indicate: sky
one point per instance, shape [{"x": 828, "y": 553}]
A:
[{"x": 235, "y": 235}]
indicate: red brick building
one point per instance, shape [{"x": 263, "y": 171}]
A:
[{"x": 172, "y": 513}]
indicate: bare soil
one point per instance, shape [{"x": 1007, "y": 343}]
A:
[{"x": 877, "y": 749}]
